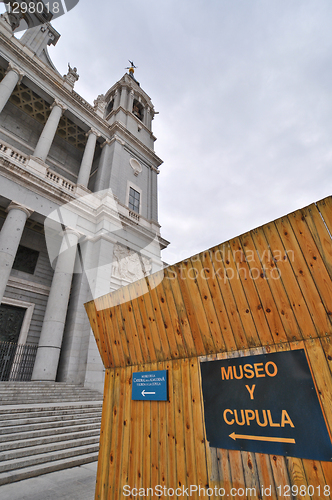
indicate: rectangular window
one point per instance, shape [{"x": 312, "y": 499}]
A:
[
  {"x": 25, "y": 260},
  {"x": 134, "y": 199}
]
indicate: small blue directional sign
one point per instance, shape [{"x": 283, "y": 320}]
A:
[{"x": 150, "y": 386}]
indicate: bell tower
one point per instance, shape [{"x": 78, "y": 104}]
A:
[{"x": 129, "y": 165}]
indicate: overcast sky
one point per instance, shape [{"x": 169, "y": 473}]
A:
[{"x": 244, "y": 94}]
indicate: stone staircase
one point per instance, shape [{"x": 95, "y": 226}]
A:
[{"x": 46, "y": 427}]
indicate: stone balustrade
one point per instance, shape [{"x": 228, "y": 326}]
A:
[
  {"x": 60, "y": 181},
  {"x": 15, "y": 156},
  {"x": 12, "y": 153}
]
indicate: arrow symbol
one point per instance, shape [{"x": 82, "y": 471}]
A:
[
  {"x": 144, "y": 392},
  {"x": 261, "y": 438}
]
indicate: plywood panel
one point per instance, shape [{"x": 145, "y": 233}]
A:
[{"x": 212, "y": 307}]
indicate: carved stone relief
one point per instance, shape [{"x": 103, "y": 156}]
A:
[{"x": 130, "y": 265}]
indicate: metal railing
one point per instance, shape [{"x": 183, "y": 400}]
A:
[{"x": 17, "y": 361}]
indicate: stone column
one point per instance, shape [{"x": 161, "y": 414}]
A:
[
  {"x": 154, "y": 196},
  {"x": 13, "y": 76},
  {"x": 86, "y": 165},
  {"x": 131, "y": 101},
  {"x": 50, "y": 341},
  {"x": 123, "y": 99},
  {"x": 116, "y": 99},
  {"x": 45, "y": 140},
  {"x": 104, "y": 168},
  {"x": 147, "y": 117},
  {"x": 10, "y": 237}
]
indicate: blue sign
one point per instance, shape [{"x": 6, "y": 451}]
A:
[{"x": 150, "y": 386}]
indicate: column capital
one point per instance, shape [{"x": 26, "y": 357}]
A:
[
  {"x": 93, "y": 131},
  {"x": 117, "y": 139},
  {"x": 17, "y": 70},
  {"x": 18, "y": 206},
  {"x": 106, "y": 143},
  {"x": 59, "y": 104},
  {"x": 70, "y": 230}
]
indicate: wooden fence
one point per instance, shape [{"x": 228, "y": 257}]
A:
[{"x": 265, "y": 291}]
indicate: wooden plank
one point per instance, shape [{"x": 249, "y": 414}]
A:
[
  {"x": 105, "y": 438},
  {"x": 171, "y": 431},
  {"x": 146, "y": 459},
  {"x": 284, "y": 258},
  {"x": 156, "y": 321},
  {"x": 130, "y": 328},
  {"x": 224, "y": 470},
  {"x": 249, "y": 270},
  {"x": 297, "y": 477},
  {"x": 237, "y": 473},
  {"x": 142, "y": 324},
  {"x": 322, "y": 378},
  {"x": 327, "y": 470},
  {"x": 320, "y": 234},
  {"x": 218, "y": 303},
  {"x": 325, "y": 208},
  {"x": 206, "y": 302},
  {"x": 136, "y": 439},
  {"x": 239, "y": 294},
  {"x": 114, "y": 460},
  {"x": 315, "y": 477},
  {"x": 181, "y": 313},
  {"x": 154, "y": 438},
  {"x": 284, "y": 325},
  {"x": 265, "y": 475},
  {"x": 182, "y": 468},
  {"x": 280, "y": 474},
  {"x": 124, "y": 431},
  {"x": 198, "y": 422},
  {"x": 189, "y": 430},
  {"x": 202, "y": 343},
  {"x": 127, "y": 346},
  {"x": 96, "y": 322},
  {"x": 163, "y": 438},
  {"x": 151, "y": 331},
  {"x": 313, "y": 259},
  {"x": 252, "y": 485},
  {"x": 256, "y": 280},
  {"x": 326, "y": 343},
  {"x": 164, "y": 319},
  {"x": 202, "y": 306},
  {"x": 304, "y": 278},
  {"x": 228, "y": 298},
  {"x": 170, "y": 312}
]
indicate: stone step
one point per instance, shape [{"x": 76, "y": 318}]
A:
[
  {"x": 37, "y": 470},
  {"x": 18, "y": 463},
  {"x": 44, "y": 399},
  {"x": 49, "y": 418},
  {"x": 53, "y": 438},
  {"x": 6, "y": 416},
  {"x": 47, "y": 425},
  {"x": 48, "y": 432},
  {"x": 29, "y": 451}
]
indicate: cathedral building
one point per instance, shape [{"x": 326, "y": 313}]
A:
[{"x": 78, "y": 207}]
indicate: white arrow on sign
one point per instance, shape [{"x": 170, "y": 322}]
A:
[{"x": 144, "y": 392}]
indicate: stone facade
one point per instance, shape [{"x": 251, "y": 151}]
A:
[{"x": 78, "y": 193}]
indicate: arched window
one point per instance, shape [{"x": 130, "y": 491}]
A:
[
  {"x": 138, "y": 109},
  {"x": 110, "y": 107}
]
